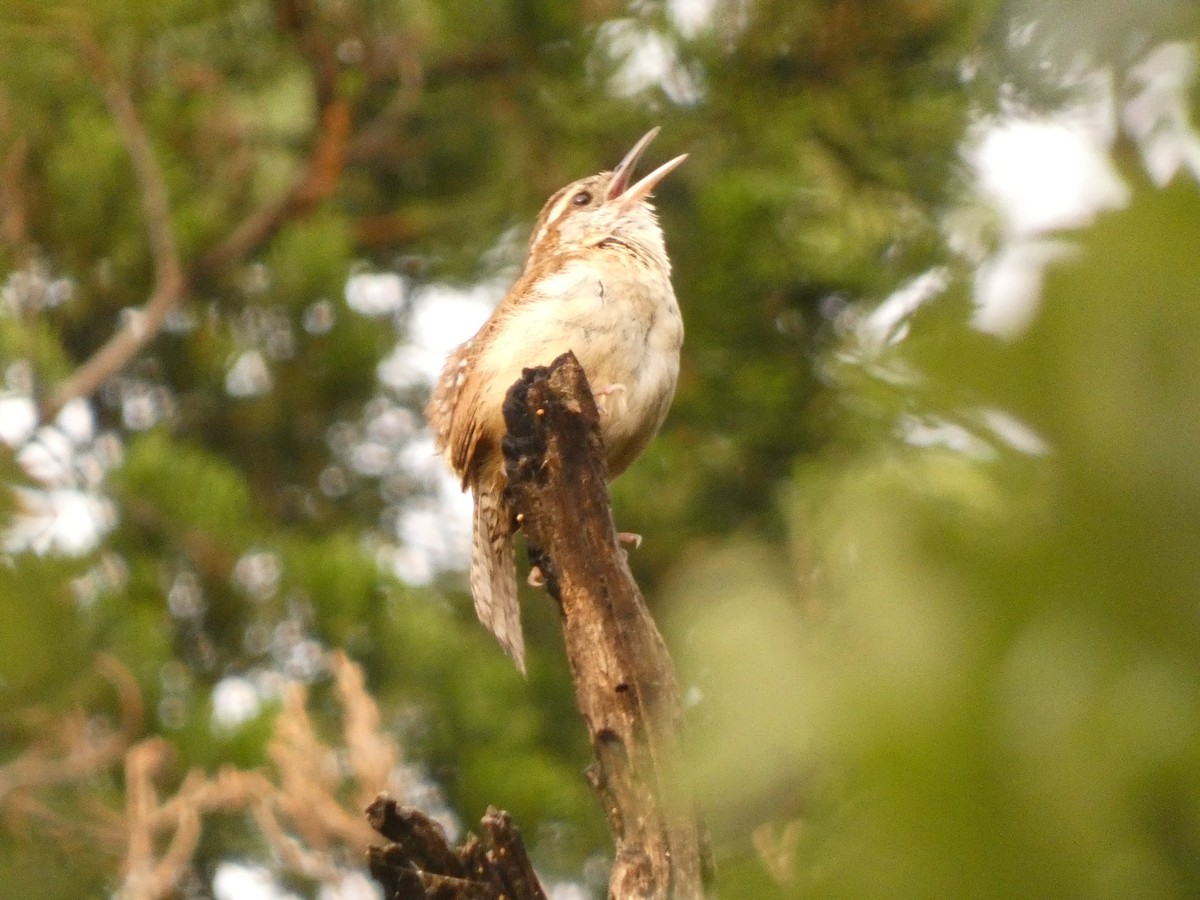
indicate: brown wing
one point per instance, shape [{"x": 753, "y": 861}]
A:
[
  {"x": 451, "y": 410},
  {"x": 459, "y": 425}
]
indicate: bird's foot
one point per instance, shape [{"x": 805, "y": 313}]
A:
[
  {"x": 602, "y": 395},
  {"x": 628, "y": 537}
]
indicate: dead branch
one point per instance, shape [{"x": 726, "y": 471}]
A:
[
  {"x": 625, "y": 683},
  {"x": 371, "y": 754},
  {"x": 299, "y": 812},
  {"x": 299, "y": 804},
  {"x": 419, "y": 863},
  {"x": 76, "y": 752}
]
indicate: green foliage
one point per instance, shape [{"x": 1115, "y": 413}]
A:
[
  {"x": 991, "y": 688},
  {"x": 36, "y": 341},
  {"x": 310, "y": 259},
  {"x": 340, "y": 580},
  {"x": 217, "y": 501},
  {"x": 38, "y": 653}
]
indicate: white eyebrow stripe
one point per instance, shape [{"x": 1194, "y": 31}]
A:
[{"x": 553, "y": 216}]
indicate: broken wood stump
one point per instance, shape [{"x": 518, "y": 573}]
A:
[
  {"x": 418, "y": 863},
  {"x": 625, "y": 684}
]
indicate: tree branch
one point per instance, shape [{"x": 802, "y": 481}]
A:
[
  {"x": 170, "y": 283},
  {"x": 14, "y": 212},
  {"x": 625, "y": 683},
  {"x": 322, "y": 172},
  {"x": 316, "y": 182},
  {"x": 624, "y": 678}
]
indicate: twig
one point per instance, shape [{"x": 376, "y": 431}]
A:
[
  {"x": 14, "y": 213},
  {"x": 297, "y": 806},
  {"x": 87, "y": 754},
  {"x": 370, "y": 755},
  {"x": 316, "y": 183},
  {"x": 170, "y": 283},
  {"x": 298, "y": 813}
]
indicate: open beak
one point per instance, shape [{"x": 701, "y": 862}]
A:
[{"x": 621, "y": 190}]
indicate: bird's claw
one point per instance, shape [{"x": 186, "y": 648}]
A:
[
  {"x": 628, "y": 537},
  {"x": 602, "y": 395}
]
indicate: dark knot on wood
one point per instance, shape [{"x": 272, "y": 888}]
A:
[
  {"x": 553, "y": 428},
  {"x": 550, "y": 403}
]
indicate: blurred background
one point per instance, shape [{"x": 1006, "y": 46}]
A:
[{"x": 923, "y": 526}]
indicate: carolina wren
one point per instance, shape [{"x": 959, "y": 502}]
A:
[{"x": 596, "y": 281}]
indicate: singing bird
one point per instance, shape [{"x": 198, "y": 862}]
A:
[{"x": 596, "y": 281}]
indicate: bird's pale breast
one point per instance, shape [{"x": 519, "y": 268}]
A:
[{"x": 622, "y": 323}]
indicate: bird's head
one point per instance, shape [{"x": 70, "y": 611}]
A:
[{"x": 603, "y": 207}]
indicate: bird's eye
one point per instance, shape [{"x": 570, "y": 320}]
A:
[{"x": 583, "y": 198}]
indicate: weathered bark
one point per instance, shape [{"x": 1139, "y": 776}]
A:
[
  {"x": 419, "y": 864},
  {"x": 625, "y": 683}
]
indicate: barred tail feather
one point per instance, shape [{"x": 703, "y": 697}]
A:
[{"x": 494, "y": 574}]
